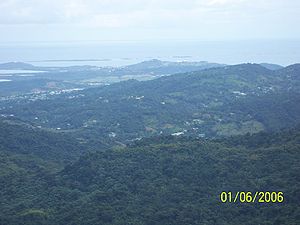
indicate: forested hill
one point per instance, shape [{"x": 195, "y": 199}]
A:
[
  {"x": 159, "y": 67},
  {"x": 16, "y": 66},
  {"x": 271, "y": 66},
  {"x": 162, "y": 180},
  {"x": 16, "y": 137},
  {"x": 225, "y": 101}
]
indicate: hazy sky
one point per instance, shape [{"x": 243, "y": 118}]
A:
[{"x": 81, "y": 20}]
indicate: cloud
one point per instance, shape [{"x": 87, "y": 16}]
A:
[
  {"x": 95, "y": 19},
  {"x": 106, "y": 12}
]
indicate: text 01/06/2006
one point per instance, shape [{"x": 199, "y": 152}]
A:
[{"x": 252, "y": 197}]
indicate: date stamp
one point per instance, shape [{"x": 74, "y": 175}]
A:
[{"x": 252, "y": 197}]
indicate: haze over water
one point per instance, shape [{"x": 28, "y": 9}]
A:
[{"x": 118, "y": 53}]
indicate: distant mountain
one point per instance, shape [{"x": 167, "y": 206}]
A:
[
  {"x": 155, "y": 66},
  {"x": 155, "y": 63},
  {"x": 271, "y": 66},
  {"x": 292, "y": 70},
  {"x": 16, "y": 66}
]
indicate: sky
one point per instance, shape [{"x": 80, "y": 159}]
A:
[{"x": 144, "y": 20}]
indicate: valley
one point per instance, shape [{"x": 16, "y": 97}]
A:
[
  {"x": 149, "y": 151},
  {"x": 216, "y": 102}
]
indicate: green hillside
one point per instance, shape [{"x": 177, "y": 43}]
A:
[
  {"x": 19, "y": 138},
  {"x": 162, "y": 180},
  {"x": 225, "y": 101}
]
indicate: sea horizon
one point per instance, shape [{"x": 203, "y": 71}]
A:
[{"x": 121, "y": 53}]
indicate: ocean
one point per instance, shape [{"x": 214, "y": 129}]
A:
[{"x": 120, "y": 53}]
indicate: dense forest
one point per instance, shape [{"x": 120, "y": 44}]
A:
[{"x": 159, "y": 180}]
